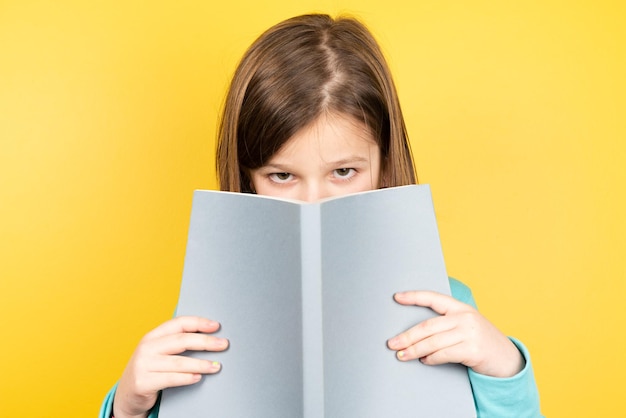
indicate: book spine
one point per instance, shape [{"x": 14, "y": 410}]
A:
[{"x": 312, "y": 324}]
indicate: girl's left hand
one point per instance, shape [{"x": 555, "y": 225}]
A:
[{"x": 460, "y": 335}]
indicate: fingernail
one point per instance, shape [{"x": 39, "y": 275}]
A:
[
  {"x": 400, "y": 295},
  {"x": 401, "y": 354}
]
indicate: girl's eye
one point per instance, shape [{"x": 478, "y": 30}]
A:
[
  {"x": 280, "y": 177},
  {"x": 344, "y": 173}
]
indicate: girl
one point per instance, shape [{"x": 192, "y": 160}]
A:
[{"x": 312, "y": 112}]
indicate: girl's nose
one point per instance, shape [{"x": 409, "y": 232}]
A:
[{"x": 313, "y": 192}]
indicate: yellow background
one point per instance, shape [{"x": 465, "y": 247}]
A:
[{"x": 517, "y": 114}]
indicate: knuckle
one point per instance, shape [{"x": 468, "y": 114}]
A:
[
  {"x": 424, "y": 328},
  {"x": 470, "y": 319},
  {"x": 142, "y": 350}
]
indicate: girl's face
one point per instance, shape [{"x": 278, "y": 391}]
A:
[{"x": 334, "y": 156}]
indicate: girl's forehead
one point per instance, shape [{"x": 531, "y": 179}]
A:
[
  {"x": 335, "y": 126},
  {"x": 329, "y": 138}
]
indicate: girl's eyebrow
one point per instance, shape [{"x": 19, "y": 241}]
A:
[
  {"x": 275, "y": 166},
  {"x": 349, "y": 160},
  {"x": 353, "y": 159}
]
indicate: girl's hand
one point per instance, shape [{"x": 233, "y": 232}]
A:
[
  {"x": 460, "y": 335},
  {"x": 156, "y": 365}
]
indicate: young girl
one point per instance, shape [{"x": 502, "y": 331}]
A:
[{"x": 312, "y": 112}]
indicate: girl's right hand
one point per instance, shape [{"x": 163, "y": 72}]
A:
[{"x": 156, "y": 363}]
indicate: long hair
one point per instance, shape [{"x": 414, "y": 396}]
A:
[{"x": 292, "y": 74}]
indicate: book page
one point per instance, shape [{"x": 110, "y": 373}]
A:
[
  {"x": 373, "y": 245},
  {"x": 242, "y": 268}
]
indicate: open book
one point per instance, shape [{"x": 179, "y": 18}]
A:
[{"x": 304, "y": 293}]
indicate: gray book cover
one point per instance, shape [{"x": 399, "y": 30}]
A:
[{"x": 304, "y": 293}]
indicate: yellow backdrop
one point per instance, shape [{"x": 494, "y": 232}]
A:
[{"x": 516, "y": 112}]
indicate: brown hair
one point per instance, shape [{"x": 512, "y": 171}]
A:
[{"x": 293, "y": 73}]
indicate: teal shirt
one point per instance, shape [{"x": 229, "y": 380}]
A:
[{"x": 494, "y": 397}]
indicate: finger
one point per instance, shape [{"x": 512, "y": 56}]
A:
[
  {"x": 178, "y": 343},
  {"x": 183, "y": 324},
  {"x": 160, "y": 381},
  {"x": 431, "y": 347},
  {"x": 450, "y": 354},
  {"x": 438, "y": 302},
  {"x": 421, "y": 331},
  {"x": 184, "y": 364},
  {"x": 164, "y": 373}
]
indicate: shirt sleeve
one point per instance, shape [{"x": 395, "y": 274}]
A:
[
  {"x": 515, "y": 396},
  {"x": 106, "y": 409}
]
